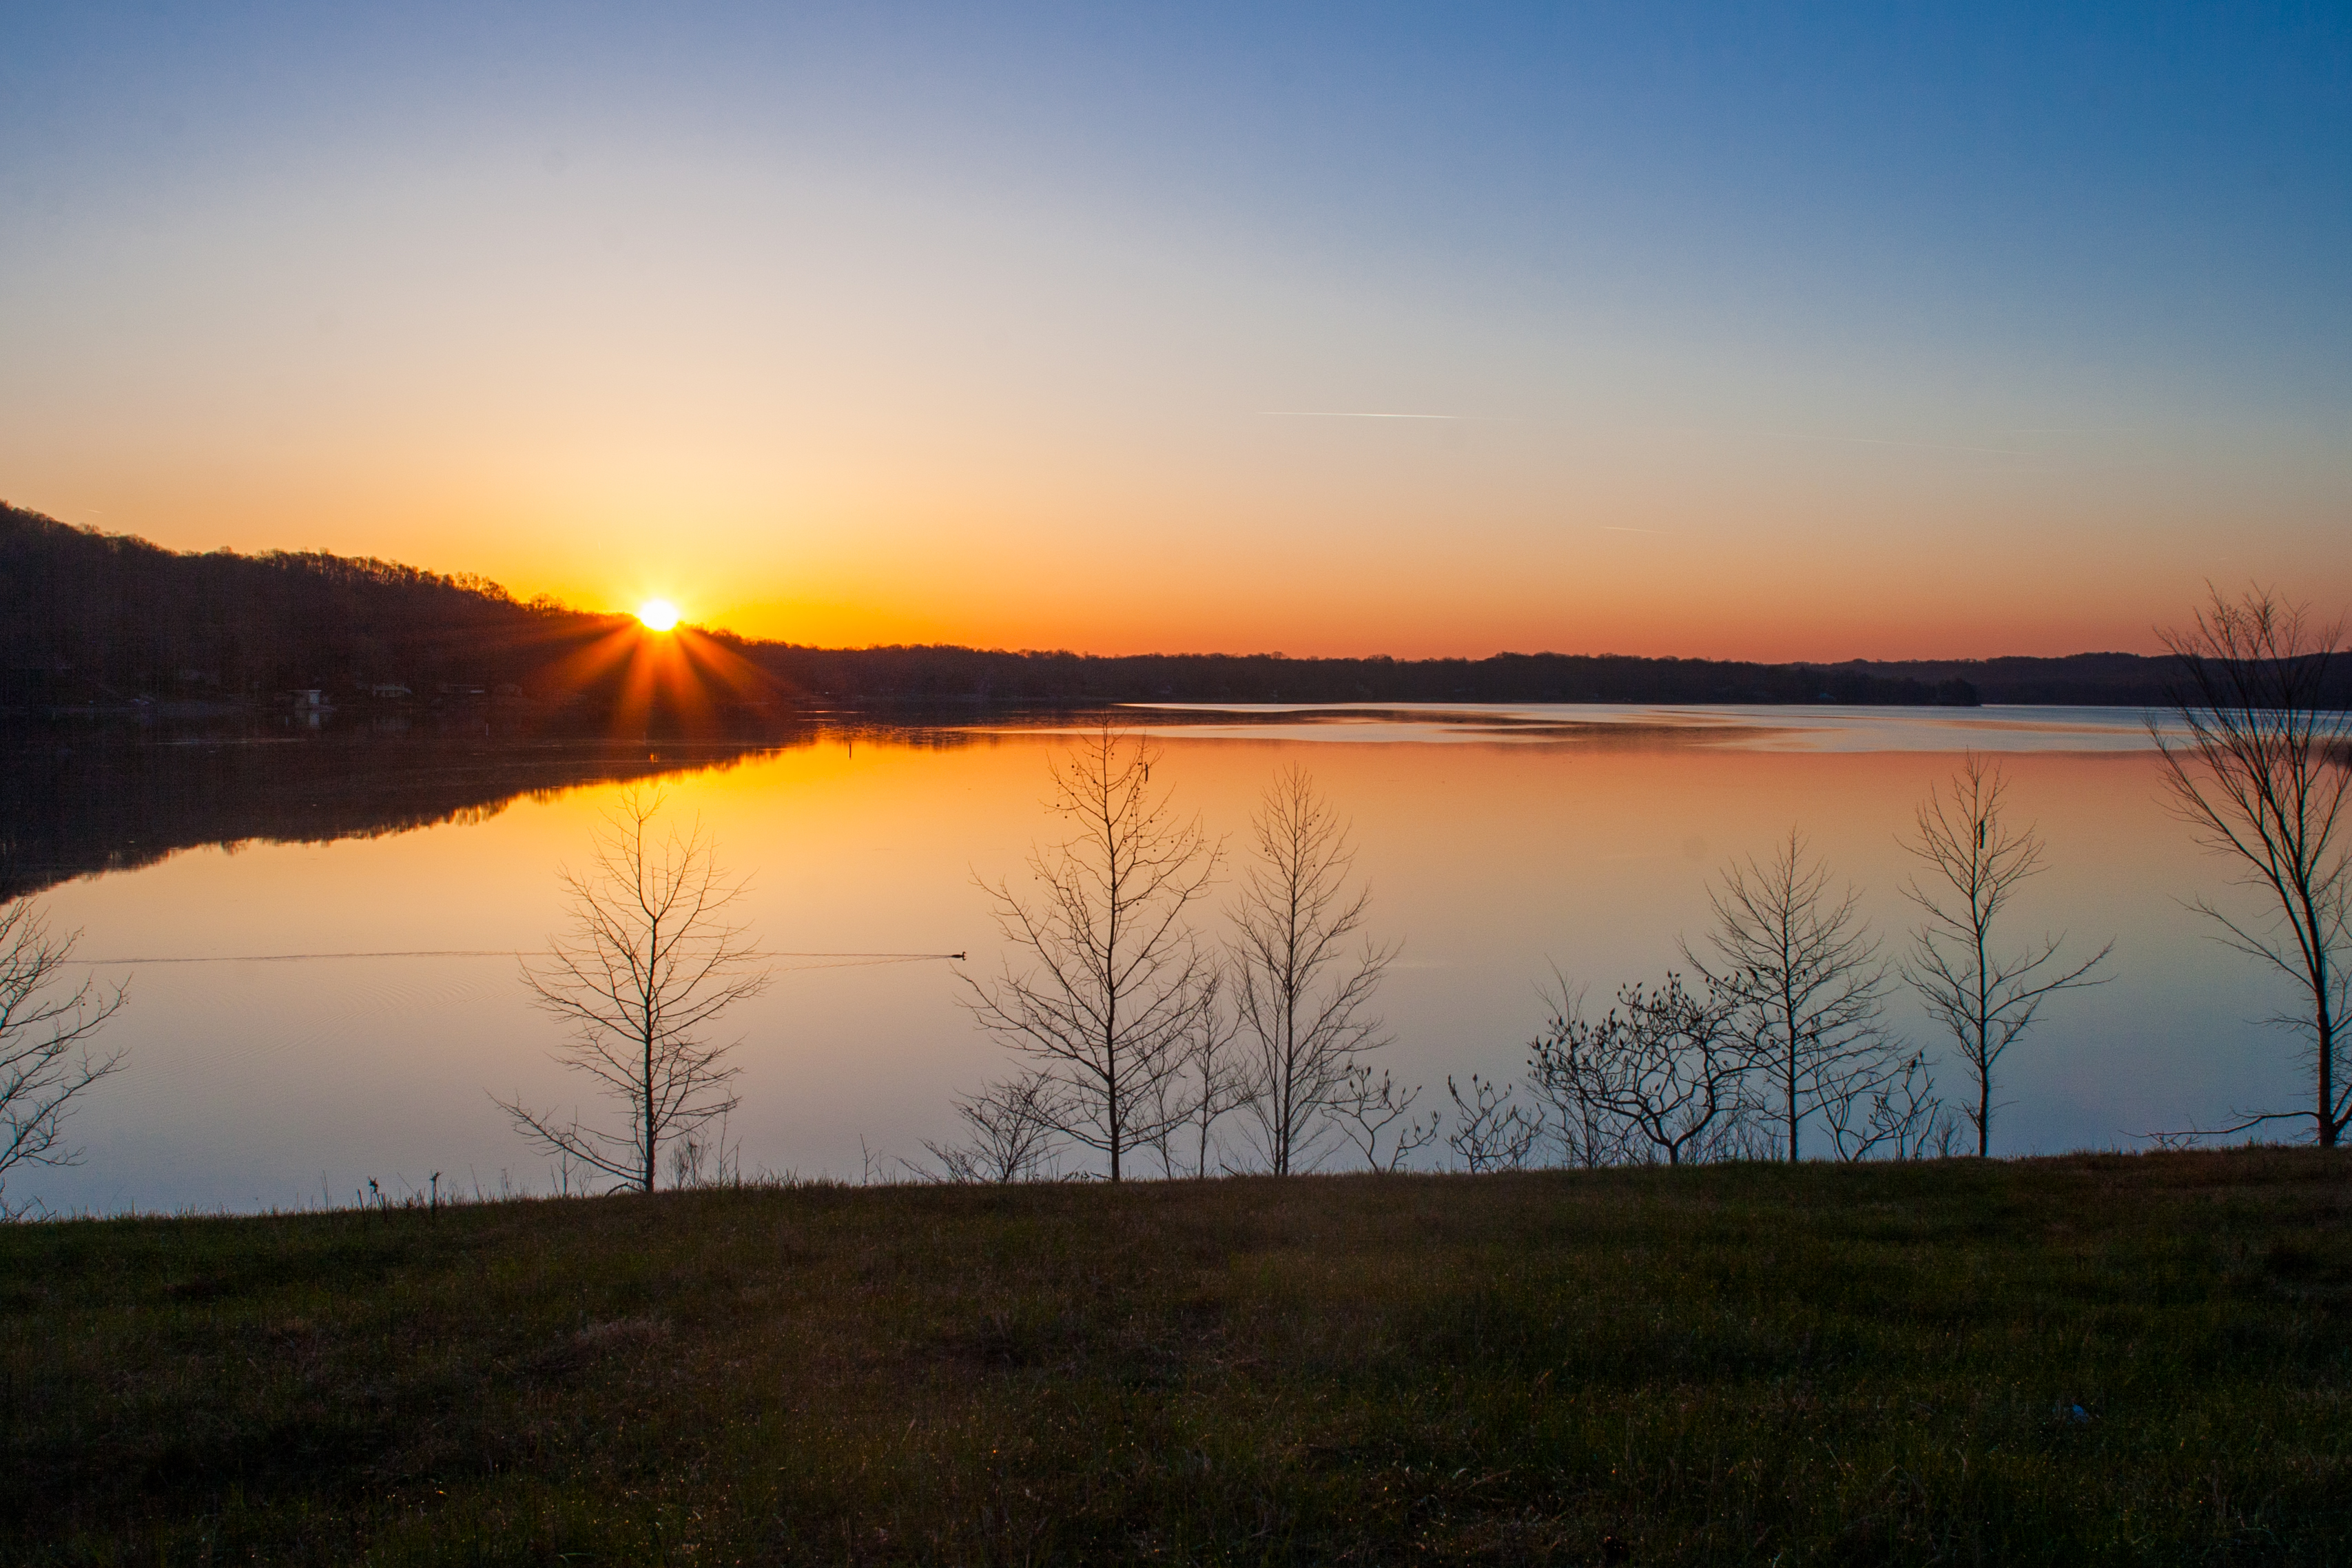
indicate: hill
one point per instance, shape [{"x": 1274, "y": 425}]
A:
[
  {"x": 2086, "y": 1360},
  {"x": 94, "y": 621},
  {"x": 110, "y": 615}
]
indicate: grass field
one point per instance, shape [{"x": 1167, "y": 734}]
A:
[{"x": 2101, "y": 1359}]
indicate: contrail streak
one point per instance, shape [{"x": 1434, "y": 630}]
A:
[
  {"x": 1916, "y": 446},
  {"x": 1345, "y": 413}
]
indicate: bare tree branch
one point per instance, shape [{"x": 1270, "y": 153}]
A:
[
  {"x": 1903, "y": 1116},
  {"x": 1588, "y": 1134},
  {"x": 1114, "y": 984},
  {"x": 651, "y": 962},
  {"x": 1011, "y": 1135},
  {"x": 1210, "y": 1080},
  {"x": 1988, "y": 1000},
  {"x": 45, "y": 1032},
  {"x": 1662, "y": 1075},
  {"x": 1367, "y": 1110},
  {"x": 1797, "y": 964},
  {"x": 1491, "y": 1133},
  {"x": 2261, "y": 777},
  {"x": 1304, "y": 997}
]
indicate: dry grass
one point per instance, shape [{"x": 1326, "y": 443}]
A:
[{"x": 1736, "y": 1364}]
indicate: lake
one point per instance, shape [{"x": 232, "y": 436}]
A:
[{"x": 1500, "y": 843}]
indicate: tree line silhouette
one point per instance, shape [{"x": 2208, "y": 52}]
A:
[
  {"x": 98, "y": 620},
  {"x": 91, "y": 618}
]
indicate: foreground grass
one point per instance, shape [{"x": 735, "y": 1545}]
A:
[{"x": 1736, "y": 1364}]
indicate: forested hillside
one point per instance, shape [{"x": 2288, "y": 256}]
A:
[{"x": 89, "y": 618}]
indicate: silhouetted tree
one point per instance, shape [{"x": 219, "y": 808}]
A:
[
  {"x": 1115, "y": 985},
  {"x": 1987, "y": 998},
  {"x": 1011, "y": 1133},
  {"x": 1902, "y": 1118},
  {"x": 652, "y": 959},
  {"x": 2262, "y": 776},
  {"x": 1210, "y": 1081},
  {"x": 1368, "y": 1109},
  {"x": 1660, "y": 1076},
  {"x": 1796, "y": 963},
  {"x": 1304, "y": 997},
  {"x": 1589, "y": 1135},
  {"x": 46, "y": 1026},
  {"x": 1491, "y": 1131}
]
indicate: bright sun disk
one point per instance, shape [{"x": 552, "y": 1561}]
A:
[{"x": 659, "y": 615}]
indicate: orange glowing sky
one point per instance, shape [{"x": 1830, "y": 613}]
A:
[{"x": 1763, "y": 344}]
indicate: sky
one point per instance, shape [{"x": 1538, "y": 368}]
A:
[{"x": 1788, "y": 333}]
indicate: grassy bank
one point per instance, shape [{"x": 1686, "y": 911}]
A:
[{"x": 1737, "y": 1364}]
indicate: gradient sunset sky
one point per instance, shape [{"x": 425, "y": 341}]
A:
[{"x": 1770, "y": 332}]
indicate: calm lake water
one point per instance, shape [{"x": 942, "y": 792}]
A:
[{"x": 1499, "y": 843}]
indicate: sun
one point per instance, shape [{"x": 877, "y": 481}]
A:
[{"x": 659, "y": 615}]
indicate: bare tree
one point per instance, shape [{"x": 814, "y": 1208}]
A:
[
  {"x": 1117, "y": 985},
  {"x": 1988, "y": 999},
  {"x": 1211, "y": 1080},
  {"x": 1797, "y": 965},
  {"x": 1589, "y": 1135},
  {"x": 1491, "y": 1131},
  {"x": 2262, "y": 776},
  {"x": 1901, "y": 1118},
  {"x": 1660, "y": 1076},
  {"x": 46, "y": 1029},
  {"x": 1011, "y": 1135},
  {"x": 1304, "y": 995},
  {"x": 1368, "y": 1109},
  {"x": 651, "y": 960}
]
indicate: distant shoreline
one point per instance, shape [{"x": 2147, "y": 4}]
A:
[{"x": 96, "y": 624}]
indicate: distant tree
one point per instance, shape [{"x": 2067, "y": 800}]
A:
[
  {"x": 1660, "y": 1076},
  {"x": 1114, "y": 985},
  {"x": 46, "y": 1026},
  {"x": 1304, "y": 985},
  {"x": 1987, "y": 998},
  {"x": 652, "y": 959},
  {"x": 1796, "y": 963},
  {"x": 2262, "y": 776}
]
